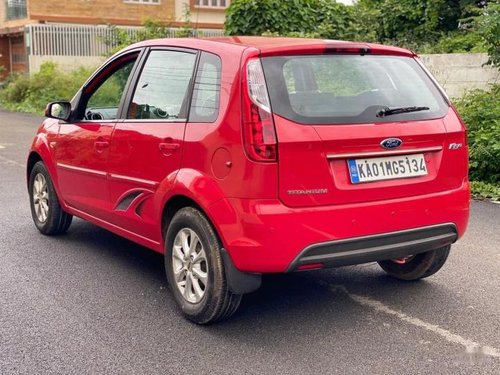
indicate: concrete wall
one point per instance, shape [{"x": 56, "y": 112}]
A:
[{"x": 460, "y": 72}]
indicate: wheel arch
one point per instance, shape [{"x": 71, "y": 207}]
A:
[
  {"x": 41, "y": 152},
  {"x": 238, "y": 282},
  {"x": 33, "y": 158},
  {"x": 192, "y": 188},
  {"x": 174, "y": 204}
]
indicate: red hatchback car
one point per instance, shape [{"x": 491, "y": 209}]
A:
[{"x": 241, "y": 156}]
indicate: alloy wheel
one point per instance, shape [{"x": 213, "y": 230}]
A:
[
  {"x": 190, "y": 266},
  {"x": 41, "y": 197}
]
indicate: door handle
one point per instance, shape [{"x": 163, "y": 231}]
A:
[
  {"x": 101, "y": 145},
  {"x": 168, "y": 148}
]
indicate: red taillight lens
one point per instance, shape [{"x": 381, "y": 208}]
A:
[{"x": 259, "y": 135}]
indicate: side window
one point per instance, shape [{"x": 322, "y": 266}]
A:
[
  {"x": 206, "y": 90},
  {"x": 104, "y": 101},
  {"x": 162, "y": 88}
]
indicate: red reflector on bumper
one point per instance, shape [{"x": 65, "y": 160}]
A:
[{"x": 310, "y": 266}]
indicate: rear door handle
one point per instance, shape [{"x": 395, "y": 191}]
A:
[
  {"x": 168, "y": 148},
  {"x": 101, "y": 145}
]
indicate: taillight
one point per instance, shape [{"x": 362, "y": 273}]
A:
[{"x": 259, "y": 135}]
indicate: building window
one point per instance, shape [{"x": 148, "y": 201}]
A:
[
  {"x": 142, "y": 1},
  {"x": 16, "y": 9},
  {"x": 18, "y": 58},
  {"x": 211, "y": 3}
]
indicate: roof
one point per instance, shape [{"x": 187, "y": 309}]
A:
[
  {"x": 279, "y": 45},
  {"x": 269, "y": 45}
]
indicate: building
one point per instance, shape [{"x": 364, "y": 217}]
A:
[{"x": 74, "y": 29}]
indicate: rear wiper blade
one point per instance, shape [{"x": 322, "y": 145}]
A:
[{"x": 394, "y": 111}]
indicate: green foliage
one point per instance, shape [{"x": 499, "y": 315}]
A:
[
  {"x": 481, "y": 189},
  {"x": 151, "y": 29},
  {"x": 120, "y": 38},
  {"x": 435, "y": 26},
  {"x": 488, "y": 27},
  {"x": 428, "y": 26},
  {"x": 310, "y": 18},
  {"x": 480, "y": 111},
  {"x": 459, "y": 41},
  {"x": 186, "y": 30},
  {"x": 31, "y": 94}
]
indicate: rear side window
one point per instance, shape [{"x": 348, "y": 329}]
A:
[
  {"x": 347, "y": 89},
  {"x": 206, "y": 90}
]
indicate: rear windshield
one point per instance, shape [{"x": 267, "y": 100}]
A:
[{"x": 347, "y": 89}]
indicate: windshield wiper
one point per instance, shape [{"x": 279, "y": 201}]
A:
[{"x": 394, "y": 111}]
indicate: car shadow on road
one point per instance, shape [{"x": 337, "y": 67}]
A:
[
  {"x": 289, "y": 303},
  {"x": 124, "y": 253}
]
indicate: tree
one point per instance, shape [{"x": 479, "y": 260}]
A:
[
  {"x": 407, "y": 23},
  {"x": 314, "y": 18},
  {"x": 488, "y": 27}
]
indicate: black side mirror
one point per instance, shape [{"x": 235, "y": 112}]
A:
[{"x": 58, "y": 110}]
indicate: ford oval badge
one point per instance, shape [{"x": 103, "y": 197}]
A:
[{"x": 391, "y": 143}]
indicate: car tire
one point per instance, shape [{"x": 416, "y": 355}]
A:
[
  {"x": 418, "y": 266},
  {"x": 49, "y": 217},
  {"x": 195, "y": 269}
]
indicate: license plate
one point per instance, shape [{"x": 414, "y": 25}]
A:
[{"x": 386, "y": 168}]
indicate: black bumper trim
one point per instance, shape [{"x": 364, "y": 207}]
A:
[{"x": 377, "y": 247}]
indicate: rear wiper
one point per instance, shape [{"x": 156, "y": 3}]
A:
[{"x": 394, "y": 111}]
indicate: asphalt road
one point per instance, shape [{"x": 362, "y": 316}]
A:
[{"x": 91, "y": 302}]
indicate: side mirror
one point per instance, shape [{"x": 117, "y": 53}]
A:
[{"x": 58, "y": 110}]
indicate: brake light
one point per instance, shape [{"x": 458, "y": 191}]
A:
[{"x": 259, "y": 135}]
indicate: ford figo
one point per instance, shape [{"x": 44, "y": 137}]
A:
[{"x": 241, "y": 156}]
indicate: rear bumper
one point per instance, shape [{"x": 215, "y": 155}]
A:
[
  {"x": 375, "y": 248},
  {"x": 265, "y": 236}
]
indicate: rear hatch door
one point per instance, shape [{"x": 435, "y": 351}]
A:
[{"x": 357, "y": 128}]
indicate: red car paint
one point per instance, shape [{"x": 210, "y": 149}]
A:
[{"x": 94, "y": 165}]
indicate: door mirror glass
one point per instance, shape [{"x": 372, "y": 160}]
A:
[{"x": 58, "y": 110}]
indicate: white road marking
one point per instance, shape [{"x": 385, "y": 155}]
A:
[{"x": 470, "y": 346}]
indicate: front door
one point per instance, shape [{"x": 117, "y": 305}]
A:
[
  {"x": 82, "y": 148},
  {"x": 146, "y": 148}
]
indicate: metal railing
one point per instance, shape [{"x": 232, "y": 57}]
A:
[
  {"x": 15, "y": 9},
  {"x": 71, "y": 40},
  {"x": 75, "y": 40}
]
